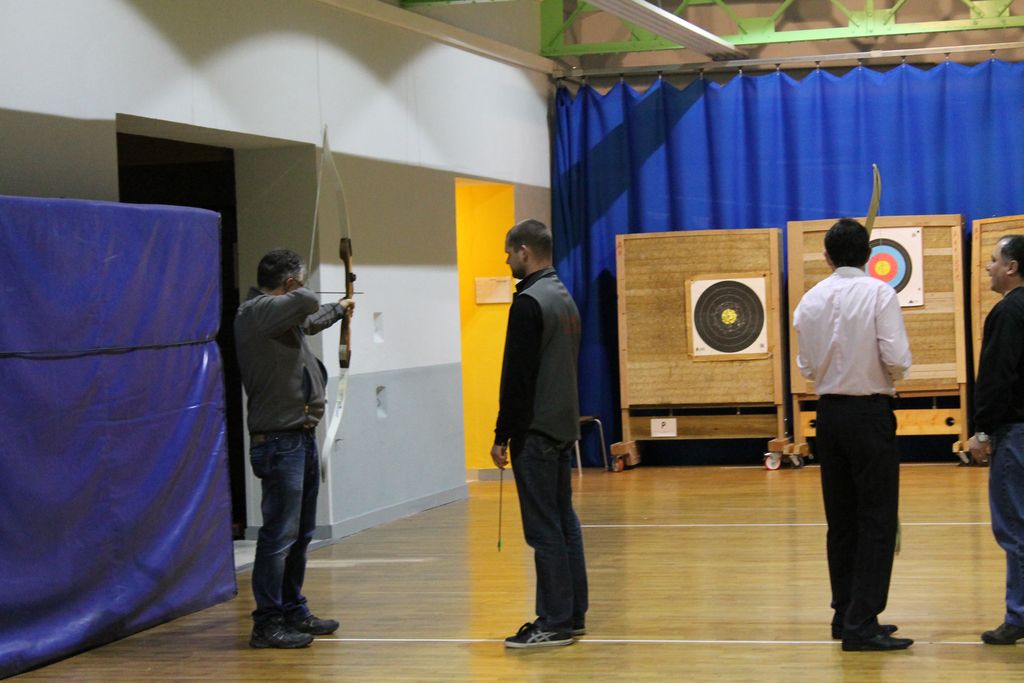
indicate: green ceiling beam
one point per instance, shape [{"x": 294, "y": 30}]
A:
[
  {"x": 870, "y": 30},
  {"x": 425, "y": 3},
  {"x": 865, "y": 21}
]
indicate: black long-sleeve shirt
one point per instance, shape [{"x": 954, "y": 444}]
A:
[
  {"x": 999, "y": 390},
  {"x": 521, "y": 364}
]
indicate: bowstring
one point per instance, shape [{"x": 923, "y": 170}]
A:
[
  {"x": 319, "y": 186},
  {"x": 501, "y": 491}
]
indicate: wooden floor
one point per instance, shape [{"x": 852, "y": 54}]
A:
[{"x": 696, "y": 574}]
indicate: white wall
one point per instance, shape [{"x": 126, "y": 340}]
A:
[
  {"x": 262, "y": 67},
  {"x": 281, "y": 70}
]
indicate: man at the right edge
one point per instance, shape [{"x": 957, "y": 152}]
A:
[
  {"x": 853, "y": 345},
  {"x": 999, "y": 425}
]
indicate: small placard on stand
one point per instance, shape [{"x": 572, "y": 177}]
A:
[{"x": 664, "y": 427}]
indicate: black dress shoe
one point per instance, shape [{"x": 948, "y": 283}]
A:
[
  {"x": 884, "y": 629},
  {"x": 1004, "y": 634},
  {"x": 878, "y": 642}
]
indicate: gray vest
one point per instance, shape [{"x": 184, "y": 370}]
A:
[{"x": 556, "y": 407}]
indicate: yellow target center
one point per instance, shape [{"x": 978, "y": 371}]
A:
[
  {"x": 882, "y": 268},
  {"x": 729, "y": 316}
]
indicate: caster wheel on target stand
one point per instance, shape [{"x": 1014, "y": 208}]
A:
[
  {"x": 625, "y": 455},
  {"x": 798, "y": 454},
  {"x": 961, "y": 452},
  {"x": 784, "y": 453}
]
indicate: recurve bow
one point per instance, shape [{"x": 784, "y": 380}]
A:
[
  {"x": 345, "y": 332},
  {"x": 876, "y": 197}
]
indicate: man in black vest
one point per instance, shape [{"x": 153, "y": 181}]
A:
[
  {"x": 538, "y": 421},
  {"x": 999, "y": 425}
]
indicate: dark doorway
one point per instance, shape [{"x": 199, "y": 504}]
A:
[{"x": 159, "y": 171}]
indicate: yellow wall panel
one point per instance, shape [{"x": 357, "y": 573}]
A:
[{"x": 483, "y": 214}]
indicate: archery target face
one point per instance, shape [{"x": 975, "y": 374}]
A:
[
  {"x": 896, "y": 259},
  {"x": 728, "y": 317}
]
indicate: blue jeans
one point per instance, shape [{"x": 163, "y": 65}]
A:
[
  {"x": 287, "y": 464},
  {"x": 544, "y": 483},
  {"x": 1006, "y": 498}
]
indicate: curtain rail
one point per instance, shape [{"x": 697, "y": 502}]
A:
[{"x": 768, "y": 64}]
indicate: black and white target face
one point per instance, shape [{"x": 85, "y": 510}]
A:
[{"x": 729, "y": 317}]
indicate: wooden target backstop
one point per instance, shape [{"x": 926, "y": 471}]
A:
[
  {"x": 672, "y": 385},
  {"x": 984, "y": 235},
  {"x": 933, "y": 399}
]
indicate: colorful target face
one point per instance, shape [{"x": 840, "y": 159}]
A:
[
  {"x": 728, "y": 317},
  {"x": 896, "y": 259},
  {"x": 890, "y": 263}
]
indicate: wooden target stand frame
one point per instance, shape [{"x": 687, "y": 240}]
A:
[
  {"x": 667, "y": 391},
  {"x": 934, "y": 396},
  {"x": 985, "y": 233}
]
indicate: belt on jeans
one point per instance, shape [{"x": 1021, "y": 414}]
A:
[{"x": 261, "y": 437}]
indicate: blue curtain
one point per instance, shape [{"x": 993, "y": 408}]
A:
[{"x": 763, "y": 150}]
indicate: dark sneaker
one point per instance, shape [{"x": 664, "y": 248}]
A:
[
  {"x": 314, "y": 625},
  {"x": 279, "y": 635},
  {"x": 579, "y": 629},
  {"x": 1004, "y": 634},
  {"x": 531, "y": 635}
]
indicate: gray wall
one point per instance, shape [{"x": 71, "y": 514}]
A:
[
  {"x": 43, "y": 155},
  {"x": 401, "y": 447}
]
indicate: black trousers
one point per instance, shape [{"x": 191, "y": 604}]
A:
[{"x": 860, "y": 481}]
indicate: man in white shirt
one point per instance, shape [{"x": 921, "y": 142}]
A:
[{"x": 853, "y": 345}]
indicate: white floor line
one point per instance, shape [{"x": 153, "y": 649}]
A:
[
  {"x": 630, "y": 641},
  {"x": 757, "y": 524},
  {"x": 356, "y": 562},
  {"x": 945, "y": 523},
  {"x": 701, "y": 525},
  {"x": 955, "y": 463},
  {"x": 408, "y": 640}
]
